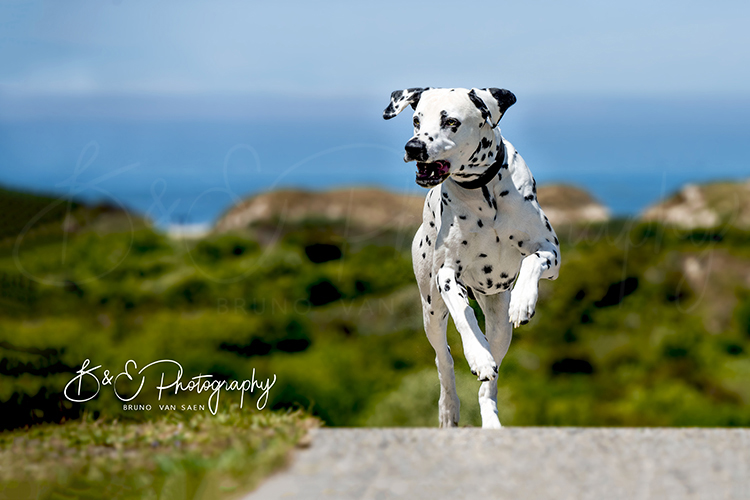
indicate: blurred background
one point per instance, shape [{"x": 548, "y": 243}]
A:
[{"x": 212, "y": 182}]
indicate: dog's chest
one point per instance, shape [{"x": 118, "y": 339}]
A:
[{"x": 474, "y": 242}]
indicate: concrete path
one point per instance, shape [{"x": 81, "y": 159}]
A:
[{"x": 517, "y": 463}]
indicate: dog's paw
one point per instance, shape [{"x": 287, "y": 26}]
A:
[
  {"x": 449, "y": 411},
  {"x": 448, "y": 418},
  {"x": 490, "y": 421},
  {"x": 482, "y": 365},
  {"x": 522, "y": 304}
]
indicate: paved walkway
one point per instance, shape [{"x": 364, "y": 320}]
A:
[{"x": 517, "y": 463}]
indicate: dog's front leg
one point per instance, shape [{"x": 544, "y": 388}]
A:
[
  {"x": 476, "y": 347},
  {"x": 526, "y": 291}
]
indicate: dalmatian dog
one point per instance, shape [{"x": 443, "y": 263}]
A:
[{"x": 483, "y": 233}]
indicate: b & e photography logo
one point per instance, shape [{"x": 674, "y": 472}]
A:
[{"x": 76, "y": 392}]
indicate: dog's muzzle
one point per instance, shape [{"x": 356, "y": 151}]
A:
[{"x": 433, "y": 173}]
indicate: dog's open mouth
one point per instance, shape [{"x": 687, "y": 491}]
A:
[{"x": 432, "y": 174}]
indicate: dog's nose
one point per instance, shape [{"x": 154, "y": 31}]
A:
[{"x": 415, "y": 150}]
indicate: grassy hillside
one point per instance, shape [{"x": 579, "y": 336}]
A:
[{"x": 647, "y": 325}]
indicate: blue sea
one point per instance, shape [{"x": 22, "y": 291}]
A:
[{"x": 628, "y": 153}]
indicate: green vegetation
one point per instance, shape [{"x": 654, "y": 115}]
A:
[
  {"x": 646, "y": 326},
  {"x": 172, "y": 456}
]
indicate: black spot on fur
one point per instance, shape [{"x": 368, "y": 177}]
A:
[
  {"x": 487, "y": 269},
  {"x": 504, "y": 98},
  {"x": 429, "y": 299},
  {"x": 444, "y": 118},
  {"x": 504, "y": 193},
  {"x": 487, "y": 197},
  {"x": 482, "y": 255},
  {"x": 489, "y": 283},
  {"x": 529, "y": 198},
  {"x": 510, "y": 237},
  {"x": 462, "y": 217},
  {"x": 520, "y": 244},
  {"x": 464, "y": 242},
  {"x": 479, "y": 103},
  {"x": 479, "y": 223}
]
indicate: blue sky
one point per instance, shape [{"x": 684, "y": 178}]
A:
[
  {"x": 628, "y": 86},
  {"x": 366, "y": 49}
]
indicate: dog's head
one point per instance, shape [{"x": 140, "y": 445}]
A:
[{"x": 453, "y": 130}]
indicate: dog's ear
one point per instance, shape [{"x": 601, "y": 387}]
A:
[
  {"x": 400, "y": 99},
  {"x": 492, "y": 103}
]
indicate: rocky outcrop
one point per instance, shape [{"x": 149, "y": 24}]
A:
[
  {"x": 371, "y": 209},
  {"x": 704, "y": 206},
  {"x": 570, "y": 205},
  {"x": 361, "y": 208}
]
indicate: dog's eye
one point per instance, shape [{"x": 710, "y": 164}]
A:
[
  {"x": 451, "y": 122},
  {"x": 416, "y": 121}
]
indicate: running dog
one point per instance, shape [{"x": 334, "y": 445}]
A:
[{"x": 482, "y": 231}]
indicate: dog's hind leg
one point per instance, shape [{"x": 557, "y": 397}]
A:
[
  {"x": 476, "y": 347},
  {"x": 499, "y": 333},
  {"x": 435, "y": 324}
]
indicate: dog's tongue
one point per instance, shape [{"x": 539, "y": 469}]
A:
[
  {"x": 443, "y": 167},
  {"x": 433, "y": 169}
]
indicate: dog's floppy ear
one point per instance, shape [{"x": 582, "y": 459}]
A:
[
  {"x": 400, "y": 99},
  {"x": 492, "y": 102}
]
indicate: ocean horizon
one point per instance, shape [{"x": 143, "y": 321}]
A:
[{"x": 187, "y": 171}]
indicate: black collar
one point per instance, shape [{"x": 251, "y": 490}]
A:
[{"x": 488, "y": 174}]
